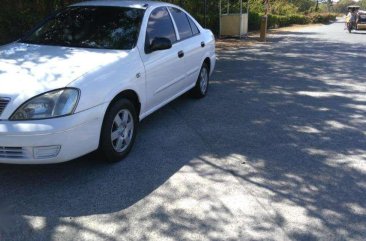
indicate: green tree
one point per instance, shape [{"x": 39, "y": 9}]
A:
[
  {"x": 19, "y": 16},
  {"x": 303, "y": 5},
  {"x": 362, "y": 4},
  {"x": 341, "y": 6}
]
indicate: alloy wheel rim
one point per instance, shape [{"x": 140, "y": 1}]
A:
[
  {"x": 122, "y": 130},
  {"x": 203, "y": 80}
]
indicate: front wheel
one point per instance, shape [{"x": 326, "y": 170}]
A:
[
  {"x": 201, "y": 88},
  {"x": 119, "y": 130}
]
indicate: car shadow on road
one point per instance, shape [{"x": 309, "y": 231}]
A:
[
  {"x": 292, "y": 112},
  {"x": 89, "y": 185}
]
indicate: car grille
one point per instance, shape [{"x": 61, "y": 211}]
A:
[
  {"x": 3, "y": 103},
  {"x": 14, "y": 152}
]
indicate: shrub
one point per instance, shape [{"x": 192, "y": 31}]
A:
[
  {"x": 321, "y": 17},
  {"x": 12, "y": 26},
  {"x": 19, "y": 16},
  {"x": 276, "y": 21},
  {"x": 254, "y": 21}
]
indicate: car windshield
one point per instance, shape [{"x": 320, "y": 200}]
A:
[{"x": 90, "y": 27}]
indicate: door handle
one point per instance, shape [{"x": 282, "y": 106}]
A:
[
  {"x": 180, "y": 54},
  {"x": 203, "y": 44}
]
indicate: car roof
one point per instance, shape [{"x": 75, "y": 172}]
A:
[{"x": 121, "y": 3}]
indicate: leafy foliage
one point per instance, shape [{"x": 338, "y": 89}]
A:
[
  {"x": 303, "y": 6},
  {"x": 18, "y": 16},
  {"x": 341, "y": 6},
  {"x": 275, "y": 21}
]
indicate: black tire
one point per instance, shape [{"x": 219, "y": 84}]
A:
[
  {"x": 198, "y": 91},
  {"x": 108, "y": 147}
]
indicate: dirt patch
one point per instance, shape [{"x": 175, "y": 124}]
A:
[
  {"x": 232, "y": 43},
  {"x": 253, "y": 37},
  {"x": 294, "y": 28}
]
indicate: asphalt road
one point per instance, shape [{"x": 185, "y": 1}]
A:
[{"x": 277, "y": 151}]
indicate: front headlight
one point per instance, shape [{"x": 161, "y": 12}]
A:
[{"x": 48, "y": 105}]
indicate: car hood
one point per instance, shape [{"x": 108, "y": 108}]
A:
[{"x": 28, "y": 70}]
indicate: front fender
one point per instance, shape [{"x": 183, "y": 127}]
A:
[{"x": 104, "y": 84}]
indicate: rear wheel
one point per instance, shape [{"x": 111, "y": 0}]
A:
[
  {"x": 119, "y": 130},
  {"x": 201, "y": 88}
]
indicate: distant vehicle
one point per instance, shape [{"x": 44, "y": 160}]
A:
[
  {"x": 84, "y": 78},
  {"x": 356, "y": 18},
  {"x": 361, "y": 20}
]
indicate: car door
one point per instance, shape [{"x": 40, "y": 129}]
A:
[
  {"x": 165, "y": 71},
  {"x": 192, "y": 42}
]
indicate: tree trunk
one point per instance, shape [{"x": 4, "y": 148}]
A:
[{"x": 317, "y": 6}]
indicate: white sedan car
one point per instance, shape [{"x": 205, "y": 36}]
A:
[{"x": 84, "y": 78}]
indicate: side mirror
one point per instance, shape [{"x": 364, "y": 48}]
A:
[{"x": 160, "y": 44}]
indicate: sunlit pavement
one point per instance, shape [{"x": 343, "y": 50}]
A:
[{"x": 277, "y": 151}]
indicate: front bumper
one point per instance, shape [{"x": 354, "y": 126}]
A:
[{"x": 36, "y": 142}]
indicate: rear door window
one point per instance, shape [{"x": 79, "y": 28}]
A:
[
  {"x": 160, "y": 25},
  {"x": 182, "y": 22}
]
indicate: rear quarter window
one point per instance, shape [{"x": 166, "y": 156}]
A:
[{"x": 194, "y": 27}]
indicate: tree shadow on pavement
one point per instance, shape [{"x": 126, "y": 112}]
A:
[{"x": 297, "y": 115}]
